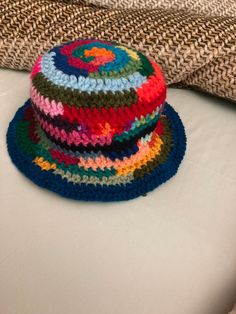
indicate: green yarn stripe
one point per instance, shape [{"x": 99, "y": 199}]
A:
[
  {"x": 147, "y": 68},
  {"x": 22, "y": 138},
  {"x": 130, "y": 68},
  {"x": 133, "y": 132},
  {"x": 77, "y": 98}
]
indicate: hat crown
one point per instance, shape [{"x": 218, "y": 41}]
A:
[
  {"x": 91, "y": 91},
  {"x": 96, "y": 126}
]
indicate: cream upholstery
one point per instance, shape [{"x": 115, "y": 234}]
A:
[{"x": 172, "y": 252}]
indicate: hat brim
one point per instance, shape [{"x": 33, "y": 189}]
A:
[{"x": 105, "y": 193}]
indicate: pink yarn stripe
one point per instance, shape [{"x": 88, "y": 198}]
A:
[
  {"x": 73, "y": 137},
  {"x": 36, "y": 68},
  {"x": 52, "y": 108}
]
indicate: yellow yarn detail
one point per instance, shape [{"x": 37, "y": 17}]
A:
[
  {"x": 130, "y": 52},
  {"x": 44, "y": 164},
  {"x": 152, "y": 153}
]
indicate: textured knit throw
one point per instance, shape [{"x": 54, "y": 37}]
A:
[
  {"x": 193, "y": 41},
  {"x": 96, "y": 126}
]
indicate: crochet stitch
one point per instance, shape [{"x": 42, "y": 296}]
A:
[{"x": 97, "y": 126}]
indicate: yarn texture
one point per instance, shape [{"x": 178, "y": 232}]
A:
[{"x": 97, "y": 126}]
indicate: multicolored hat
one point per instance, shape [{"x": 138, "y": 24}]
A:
[{"x": 97, "y": 126}]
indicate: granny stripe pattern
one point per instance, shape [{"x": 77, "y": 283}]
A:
[{"x": 97, "y": 126}]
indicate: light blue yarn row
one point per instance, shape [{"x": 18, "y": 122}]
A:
[{"x": 87, "y": 84}]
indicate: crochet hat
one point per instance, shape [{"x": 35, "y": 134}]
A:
[{"x": 96, "y": 126}]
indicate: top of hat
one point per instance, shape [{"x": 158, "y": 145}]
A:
[
  {"x": 97, "y": 126},
  {"x": 102, "y": 86}
]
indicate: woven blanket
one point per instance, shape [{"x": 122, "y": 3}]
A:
[
  {"x": 207, "y": 7},
  {"x": 193, "y": 49}
]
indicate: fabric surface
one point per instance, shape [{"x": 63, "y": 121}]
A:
[
  {"x": 97, "y": 126},
  {"x": 173, "y": 250},
  {"x": 192, "y": 49},
  {"x": 233, "y": 311},
  {"x": 206, "y": 7}
]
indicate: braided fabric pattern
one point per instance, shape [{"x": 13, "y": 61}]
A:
[
  {"x": 193, "y": 47},
  {"x": 96, "y": 126},
  {"x": 206, "y": 7}
]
